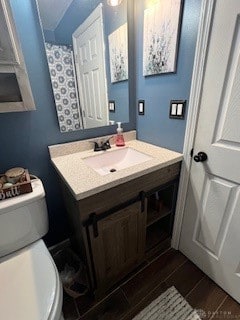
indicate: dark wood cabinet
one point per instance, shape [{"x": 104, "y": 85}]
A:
[
  {"x": 161, "y": 203},
  {"x": 115, "y": 230},
  {"x": 119, "y": 245}
]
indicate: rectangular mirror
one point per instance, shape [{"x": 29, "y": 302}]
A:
[{"x": 86, "y": 44}]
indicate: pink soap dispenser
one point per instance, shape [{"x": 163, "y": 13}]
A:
[{"x": 119, "y": 138}]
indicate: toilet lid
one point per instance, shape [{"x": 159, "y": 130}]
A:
[{"x": 27, "y": 284}]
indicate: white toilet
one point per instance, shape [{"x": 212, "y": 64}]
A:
[{"x": 30, "y": 288}]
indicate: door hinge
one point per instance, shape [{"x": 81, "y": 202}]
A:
[{"x": 191, "y": 152}]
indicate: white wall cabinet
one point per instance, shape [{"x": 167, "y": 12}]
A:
[{"x": 15, "y": 89}]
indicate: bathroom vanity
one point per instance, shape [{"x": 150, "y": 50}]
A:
[{"x": 118, "y": 217}]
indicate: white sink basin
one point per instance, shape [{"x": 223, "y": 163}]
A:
[{"x": 111, "y": 161}]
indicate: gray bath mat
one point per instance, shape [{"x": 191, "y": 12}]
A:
[{"x": 168, "y": 306}]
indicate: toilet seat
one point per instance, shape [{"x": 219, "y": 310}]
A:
[{"x": 30, "y": 286}]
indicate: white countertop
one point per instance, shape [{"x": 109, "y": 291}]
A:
[{"x": 84, "y": 181}]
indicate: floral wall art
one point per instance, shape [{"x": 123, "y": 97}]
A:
[
  {"x": 161, "y": 29},
  {"x": 118, "y": 52}
]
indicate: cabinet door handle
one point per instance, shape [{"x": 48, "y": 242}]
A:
[
  {"x": 142, "y": 198},
  {"x": 93, "y": 218}
]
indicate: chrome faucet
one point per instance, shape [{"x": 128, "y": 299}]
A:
[{"x": 102, "y": 145}]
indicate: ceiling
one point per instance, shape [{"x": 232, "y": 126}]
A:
[{"x": 52, "y": 11}]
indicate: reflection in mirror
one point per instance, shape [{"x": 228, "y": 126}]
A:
[{"x": 87, "y": 51}]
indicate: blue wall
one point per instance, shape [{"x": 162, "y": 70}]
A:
[
  {"x": 49, "y": 36},
  {"x": 77, "y": 12},
  {"x": 157, "y": 91},
  {"x": 25, "y": 136}
]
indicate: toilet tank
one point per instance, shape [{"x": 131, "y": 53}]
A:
[{"x": 23, "y": 219}]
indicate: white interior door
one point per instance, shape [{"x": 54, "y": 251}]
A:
[
  {"x": 210, "y": 234},
  {"x": 88, "y": 45}
]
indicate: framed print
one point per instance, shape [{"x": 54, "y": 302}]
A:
[
  {"x": 160, "y": 37},
  {"x": 118, "y": 52}
]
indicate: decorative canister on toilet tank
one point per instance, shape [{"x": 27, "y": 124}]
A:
[{"x": 14, "y": 182}]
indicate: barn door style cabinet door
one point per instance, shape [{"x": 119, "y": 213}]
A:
[
  {"x": 15, "y": 89},
  {"x": 117, "y": 241}
]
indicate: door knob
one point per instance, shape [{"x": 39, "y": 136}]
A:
[{"x": 200, "y": 157}]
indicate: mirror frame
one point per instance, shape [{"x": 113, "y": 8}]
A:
[{"x": 131, "y": 67}]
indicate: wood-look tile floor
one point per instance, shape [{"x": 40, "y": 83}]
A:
[{"x": 169, "y": 269}]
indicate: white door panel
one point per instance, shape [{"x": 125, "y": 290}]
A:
[
  {"x": 210, "y": 233},
  {"x": 215, "y": 208},
  {"x": 88, "y": 43}
]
